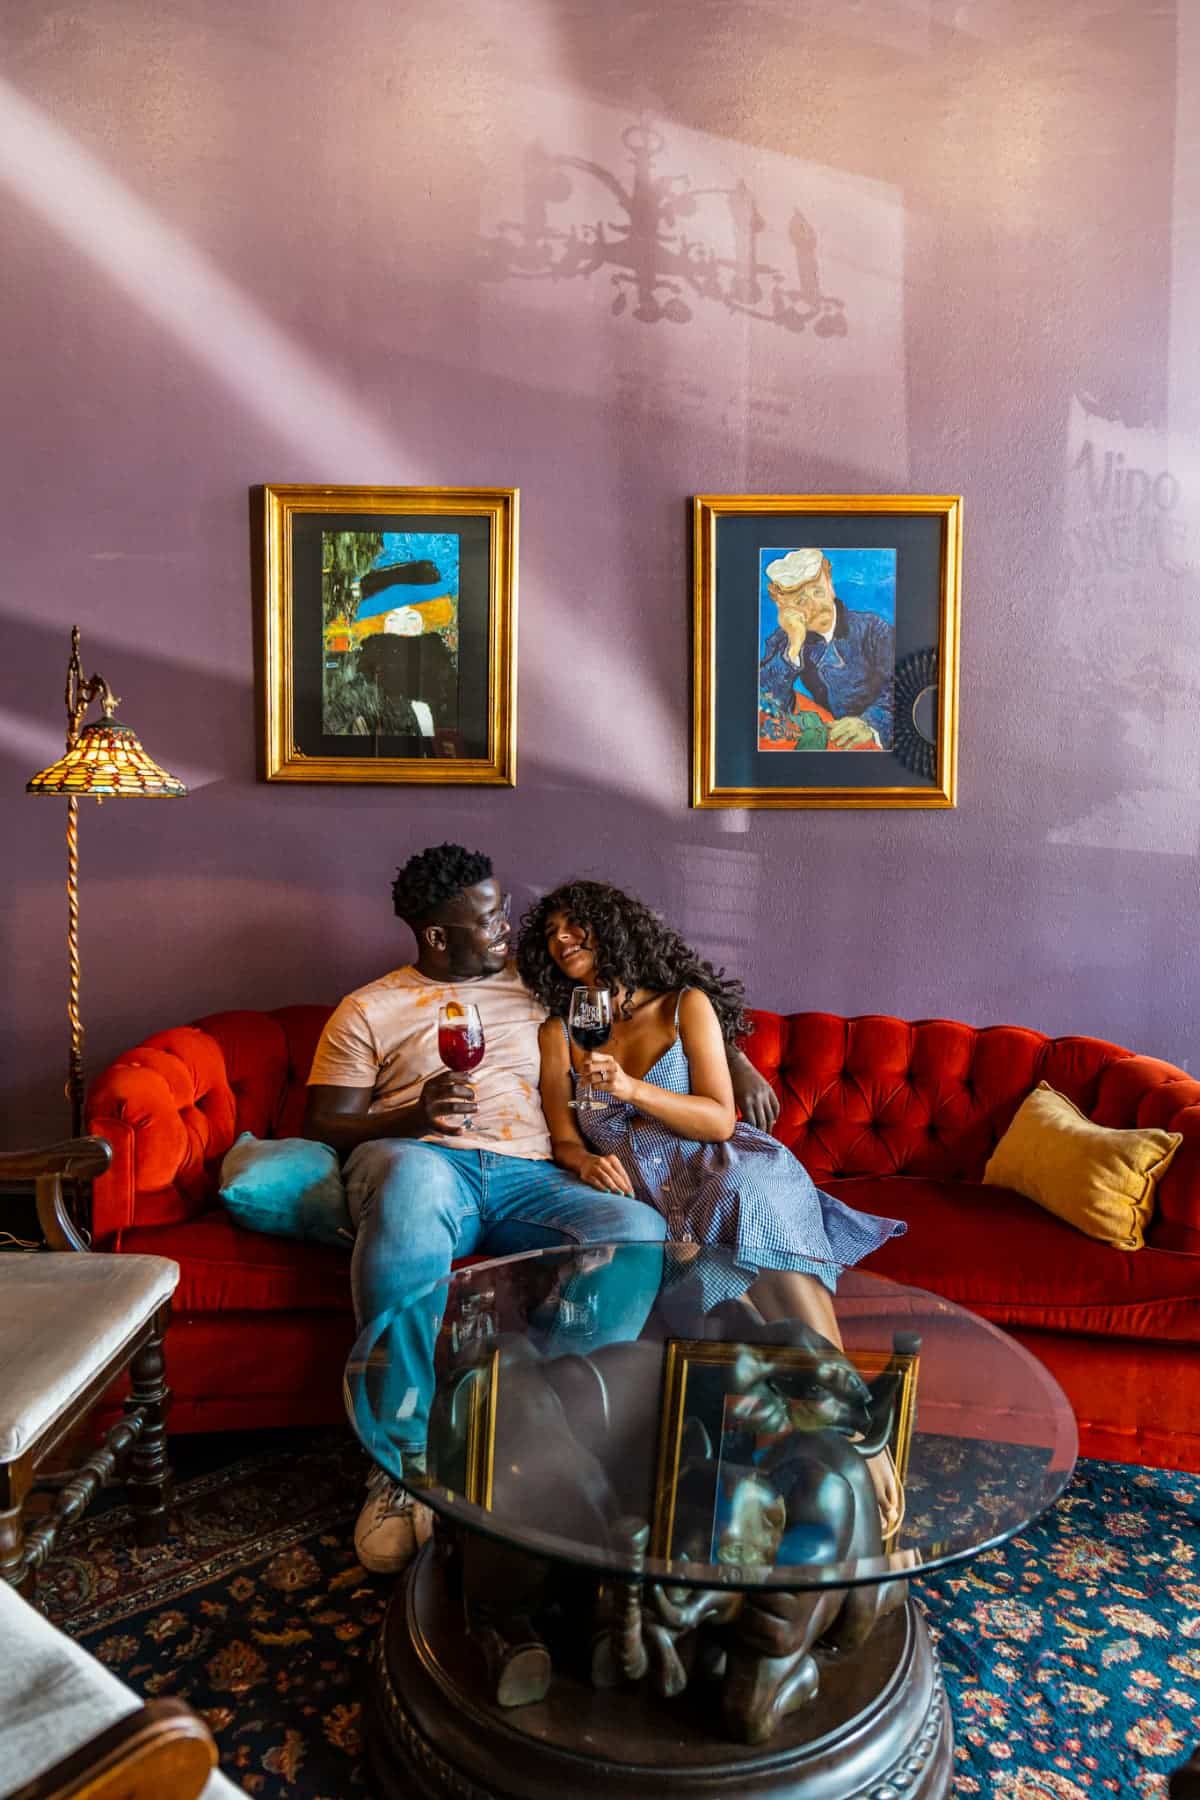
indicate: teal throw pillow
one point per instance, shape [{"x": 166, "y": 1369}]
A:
[{"x": 289, "y": 1187}]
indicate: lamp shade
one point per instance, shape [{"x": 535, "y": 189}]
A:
[{"x": 107, "y": 761}]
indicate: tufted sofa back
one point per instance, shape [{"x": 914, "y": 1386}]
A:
[
  {"x": 870, "y": 1096},
  {"x": 172, "y": 1107},
  {"x": 878, "y": 1096}
]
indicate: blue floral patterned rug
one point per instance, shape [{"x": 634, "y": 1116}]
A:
[{"x": 1072, "y": 1655}]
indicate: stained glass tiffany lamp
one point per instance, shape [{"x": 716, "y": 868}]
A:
[{"x": 104, "y": 760}]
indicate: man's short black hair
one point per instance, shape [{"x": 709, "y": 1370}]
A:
[{"x": 432, "y": 877}]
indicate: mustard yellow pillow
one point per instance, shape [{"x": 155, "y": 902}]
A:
[{"x": 1100, "y": 1180}]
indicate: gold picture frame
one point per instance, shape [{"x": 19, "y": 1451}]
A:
[
  {"x": 684, "y": 1357},
  {"x": 387, "y": 634},
  {"x": 818, "y": 674},
  {"x": 482, "y": 1383}
]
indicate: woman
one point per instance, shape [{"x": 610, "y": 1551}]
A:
[{"x": 663, "y": 1126}]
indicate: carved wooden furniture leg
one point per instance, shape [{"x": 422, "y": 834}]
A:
[
  {"x": 16, "y": 1480},
  {"x": 77, "y": 1491},
  {"x": 148, "y": 1480}
]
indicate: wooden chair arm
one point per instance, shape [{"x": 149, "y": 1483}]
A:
[
  {"x": 164, "y": 1751},
  {"x": 79, "y": 1159}
]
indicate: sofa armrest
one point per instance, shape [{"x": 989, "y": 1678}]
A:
[
  {"x": 1142, "y": 1091},
  {"x": 161, "y": 1108}
]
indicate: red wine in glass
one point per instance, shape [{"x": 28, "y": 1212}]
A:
[
  {"x": 460, "y": 1039},
  {"x": 589, "y": 1020}
]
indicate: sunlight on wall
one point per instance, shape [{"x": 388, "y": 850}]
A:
[
  {"x": 753, "y": 297},
  {"x": 1131, "y": 553},
  {"x": 593, "y": 716},
  {"x": 29, "y": 742},
  {"x": 176, "y": 287},
  {"x": 720, "y": 906},
  {"x": 1183, "y": 391},
  {"x": 904, "y": 25},
  {"x": 1130, "y": 571}
]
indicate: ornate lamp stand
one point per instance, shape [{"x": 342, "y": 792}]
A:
[{"x": 104, "y": 760}]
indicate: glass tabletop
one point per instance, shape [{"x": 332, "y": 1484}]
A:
[{"x": 614, "y": 1408}]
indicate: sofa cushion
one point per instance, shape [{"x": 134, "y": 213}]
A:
[
  {"x": 223, "y": 1268},
  {"x": 1097, "y": 1178},
  {"x": 876, "y": 1095},
  {"x": 287, "y": 1187},
  {"x": 1003, "y": 1257},
  {"x": 62, "y": 1318}
]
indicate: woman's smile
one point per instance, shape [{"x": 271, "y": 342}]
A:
[{"x": 568, "y": 946}]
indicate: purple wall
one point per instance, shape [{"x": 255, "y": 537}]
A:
[{"x": 261, "y": 244}]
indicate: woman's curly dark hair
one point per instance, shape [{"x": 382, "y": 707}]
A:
[{"x": 633, "y": 948}]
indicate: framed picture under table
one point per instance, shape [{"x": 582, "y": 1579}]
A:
[
  {"x": 825, "y": 649},
  {"x": 733, "y": 1417},
  {"x": 387, "y": 640}
]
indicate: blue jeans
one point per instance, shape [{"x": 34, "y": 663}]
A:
[{"x": 420, "y": 1206}]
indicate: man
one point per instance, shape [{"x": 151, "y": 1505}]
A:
[
  {"x": 846, "y": 659},
  {"x": 440, "y": 1167}
]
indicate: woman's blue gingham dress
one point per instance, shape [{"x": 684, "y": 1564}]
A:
[{"x": 748, "y": 1195}]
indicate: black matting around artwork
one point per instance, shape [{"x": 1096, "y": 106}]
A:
[
  {"x": 474, "y": 568},
  {"x": 917, "y": 540}
]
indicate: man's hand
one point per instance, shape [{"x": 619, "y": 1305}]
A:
[
  {"x": 845, "y": 734},
  {"x": 794, "y": 620},
  {"x": 447, "y": 1103},
  {"x": 606, "y": 1173},
  {"x": 753, "y": 1094}
]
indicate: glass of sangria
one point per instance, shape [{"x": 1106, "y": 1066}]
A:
[{"x": 460, "y": 1040}]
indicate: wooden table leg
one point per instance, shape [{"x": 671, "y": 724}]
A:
[
  {"x": 16, "y": 1479},
  {"x": 148, "y": 1480}
]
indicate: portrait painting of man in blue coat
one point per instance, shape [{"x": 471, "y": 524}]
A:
[{"x": 827, "y": 657}]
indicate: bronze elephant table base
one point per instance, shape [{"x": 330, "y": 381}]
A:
[{"x": 877, "y": 1726}]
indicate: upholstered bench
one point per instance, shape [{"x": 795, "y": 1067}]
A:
[
  {"x": 70, "y": 1325},
  {"x": 68, "y": 1726}
]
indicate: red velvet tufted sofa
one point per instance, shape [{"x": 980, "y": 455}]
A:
[{"x": 897, "y": 1118}]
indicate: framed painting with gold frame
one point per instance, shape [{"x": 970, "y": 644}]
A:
[
  {"x": 387, "y": 634},
  {"x": 825, "y": 650},
  {"x": 702, "y": 1402}
]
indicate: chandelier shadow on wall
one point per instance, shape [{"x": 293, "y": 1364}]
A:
[{"x": 651, "y": 237}]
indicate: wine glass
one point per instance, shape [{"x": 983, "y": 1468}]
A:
[
  {"x": 460, "y": 1039},
  {"x": 589, "y": 1021}
]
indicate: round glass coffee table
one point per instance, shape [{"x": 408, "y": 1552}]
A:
[{"x": 666, "y": 1556}]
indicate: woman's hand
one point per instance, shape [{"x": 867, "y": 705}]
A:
[
  {"x": 605, "y": 1173},
  {"x": 603, "y": 1072}
]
